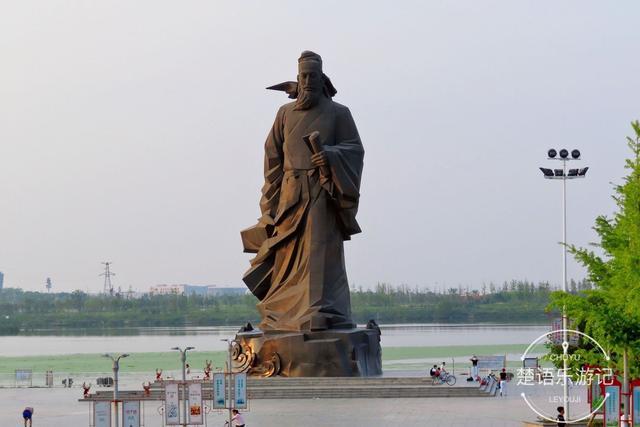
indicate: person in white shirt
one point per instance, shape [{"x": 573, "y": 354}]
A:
[
  {"x": 474, "y": 367},
  {"x": 237, "y": 420},
  {"x": 443, "y": 371}
]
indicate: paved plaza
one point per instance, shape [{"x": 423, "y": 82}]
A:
[{"x": 60, "y": 408}]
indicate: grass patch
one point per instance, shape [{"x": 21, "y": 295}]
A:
[
  {"x": 400, "y": 353},
  {"x": 85, "y": 363},
  {"x": 148, "y": 362}
]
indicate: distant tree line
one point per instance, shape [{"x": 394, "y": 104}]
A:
[{"x": 515, "y": 301}]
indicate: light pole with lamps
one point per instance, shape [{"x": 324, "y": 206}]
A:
[
  {"x": 564, "y": 175},
  {"x": 116, "y": 368},
  {"x": 183, "y": 358},
  {"x": 230, "y": 377}
]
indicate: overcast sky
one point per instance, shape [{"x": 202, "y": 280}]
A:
[{"x": 133, "y": 132}]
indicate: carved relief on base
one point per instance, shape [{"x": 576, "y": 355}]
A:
[{"x": 243, "y": 359}]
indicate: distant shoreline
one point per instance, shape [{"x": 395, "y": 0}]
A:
[
  {"x": 516, "y": 302},
  {"x": 132, "y": 330}
]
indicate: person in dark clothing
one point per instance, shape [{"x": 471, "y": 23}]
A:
[
  {"x": 503, "y": 382},
  {"x": 27, "y": 414},
  {"x": 433, "y": 370},
  {"x": 560, "y": 417}
]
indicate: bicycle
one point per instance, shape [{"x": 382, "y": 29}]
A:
[{"x": 445, "y": 377}]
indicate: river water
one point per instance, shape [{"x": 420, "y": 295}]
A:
[{"x": 139, "y": 340}]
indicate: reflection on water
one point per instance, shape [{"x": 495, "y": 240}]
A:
[{"x": 138, "y": 340}]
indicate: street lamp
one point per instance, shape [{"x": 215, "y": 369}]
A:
[
  {"x": 564, "y": 175},
  {"x": 183, "y": 358},
  {"x": 116, "y": 368},
  {"x": 230, "y": 374}
]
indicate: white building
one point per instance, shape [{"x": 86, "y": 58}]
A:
[{"x": 166, "y": 290}]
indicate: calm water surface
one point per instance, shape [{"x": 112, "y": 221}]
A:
[{"x": 138, "y": 340}]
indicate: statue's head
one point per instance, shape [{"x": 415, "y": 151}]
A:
[{"x": 312, "y": 82}]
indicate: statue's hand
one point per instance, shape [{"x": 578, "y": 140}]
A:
[{"x": 319, "y": 159}]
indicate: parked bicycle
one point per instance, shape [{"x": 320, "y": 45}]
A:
[{"x": 444, "y": 378}]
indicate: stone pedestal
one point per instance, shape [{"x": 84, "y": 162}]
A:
[{"x": 329, "y": 353}]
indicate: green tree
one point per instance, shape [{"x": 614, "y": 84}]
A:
[{"x": 610, "y": 310}]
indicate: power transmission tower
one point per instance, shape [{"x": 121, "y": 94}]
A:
[
  {"x": 48, "y": 285},
  {"x": 108, "y": 286}
]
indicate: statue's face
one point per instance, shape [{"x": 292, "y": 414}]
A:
[
  {"x": 310, "y": 85},
  {"x": 310, "y": 80}
]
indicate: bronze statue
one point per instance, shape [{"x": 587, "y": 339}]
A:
[{"x": 312, "y": 169}]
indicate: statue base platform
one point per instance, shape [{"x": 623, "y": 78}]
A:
[{"x": 329, "y": 353}]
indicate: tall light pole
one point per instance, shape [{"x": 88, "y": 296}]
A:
[
  {"x": 230, "y": 377},
  {"x": 564, "y": 175},
  {"x": 183, "y": 358},
  {"x": 116, "y": 368}
]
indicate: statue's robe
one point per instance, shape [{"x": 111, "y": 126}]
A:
[{"x": 299, "y": 271}]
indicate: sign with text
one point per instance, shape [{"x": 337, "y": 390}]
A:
[
  {"x": 530, "y": 362},
  {"x": 171, "y": 404},
  {"x": 195, "y": 404},
  {"x": 556, "y": 336},
  {"x": 636, "y": 406},
  {"x": 492, "y": 363},
  {"x": 219, "y": 394},
  {"x": 240, "y": 395},
  {"x": 612, "y": 406},
  {"x": 24, "y": 377},
  {"x": 102, "y": 414},
  {"x": 131, "y": 414}
]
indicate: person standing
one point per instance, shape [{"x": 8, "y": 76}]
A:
[
  {"x": 503, "y": 382},
  {"x": 560, "y": 416},
  {"x": 474, "y": 367},
  {"x": 237, "y": 420},
  {"x": 27, "y": 414}
]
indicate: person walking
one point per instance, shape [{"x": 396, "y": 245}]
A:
[
  {"x": 503, "y": 382},
  {"x": 27, "y": 414}
]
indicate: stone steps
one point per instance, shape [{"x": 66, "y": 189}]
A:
[
  {"x": 327, "y": 388},
  {"x": 362, "y": 392},
  {"x": 311, "y": 382},
  {"x": 331, "y": 381}
]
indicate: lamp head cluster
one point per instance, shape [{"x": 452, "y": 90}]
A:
[{"x": 564, "y": 155}]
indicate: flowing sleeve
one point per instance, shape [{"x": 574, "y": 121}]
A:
[
  {"x": 273, "y": 170},
  {"x": 346, "y": 162}
]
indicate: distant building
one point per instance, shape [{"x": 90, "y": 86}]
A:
[
  {"x": 215, "y": 291},
  {"x": 1, "y": 279},
  {"x": 167, "y": 290},
  {"x": 186, "y": 289}
]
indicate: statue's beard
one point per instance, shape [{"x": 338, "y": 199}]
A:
[{"x": 307, "y": 99}]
